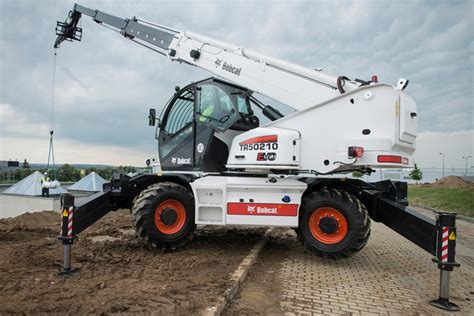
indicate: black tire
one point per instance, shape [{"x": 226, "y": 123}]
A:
[
  {"x": 144, "y": 211},
  {"x": 357, "y": 223}
]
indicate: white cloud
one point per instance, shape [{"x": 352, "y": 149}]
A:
[
  {"x": 12, "y": 122},
  {"x": 454, "y": 145}
]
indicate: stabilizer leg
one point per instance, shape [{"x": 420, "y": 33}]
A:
[
  {"x": 437, "y": 237},
  {"x": 445, "y": 257},
  {"x": 67, "y": 236},
  {"x": 443, "y": 300},
  {"x": 76, "y": 218}
]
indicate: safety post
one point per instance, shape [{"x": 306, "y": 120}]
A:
[
  {"x": 445, "y": 258},
  {"x": 67, "y": 232}
]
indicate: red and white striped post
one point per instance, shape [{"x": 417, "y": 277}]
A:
[
  {"x": 444, "y": 244},
  {"x": 445, "y": 257},
  {"x": 70, "y": 222},
  {"x": 67, "y": 232}
]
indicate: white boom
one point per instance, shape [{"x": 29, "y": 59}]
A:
[
  {"x": 291, "y": 84},
  {"x": 296, "y": 86},
  {"x": 339, "y": 125}
]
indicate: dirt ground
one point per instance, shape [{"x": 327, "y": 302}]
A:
[
  {"x": 449, "y": 182},
  {"x": 116, "y": 271}
]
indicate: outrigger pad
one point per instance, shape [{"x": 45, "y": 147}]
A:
[
  {"x": 66, "y": 273},
  {"x": 445, "y": 304}
]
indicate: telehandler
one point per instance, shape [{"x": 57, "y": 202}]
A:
[{"x": 225, "y": 158}]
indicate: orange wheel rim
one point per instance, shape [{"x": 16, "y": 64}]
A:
[
  {"x": 170, "y": 206},
  {"x": 328, "y": 216}
]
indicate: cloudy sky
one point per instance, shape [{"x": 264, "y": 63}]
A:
[{"x": 105, "y": 84}]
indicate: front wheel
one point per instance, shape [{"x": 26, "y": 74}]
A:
[
  {"x": 333, "y": 223},
  {"x": 164, "y": 215}
]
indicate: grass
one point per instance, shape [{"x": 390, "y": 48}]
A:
[{"x": 460, "y": 201}]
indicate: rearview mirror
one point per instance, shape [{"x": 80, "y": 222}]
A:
[{"x": 152, "y": 117}]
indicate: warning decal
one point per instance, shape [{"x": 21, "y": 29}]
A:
[
  {"x": 452, "y": 236},
  {"x": 263, "y": 209}
]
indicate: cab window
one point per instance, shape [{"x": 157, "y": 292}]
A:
[
  {"x": 216, "y": 107},
  {"x": 181, "y": 113},
  {"x": 215, "y": 103},
  {"x": 242, "y": 103}
]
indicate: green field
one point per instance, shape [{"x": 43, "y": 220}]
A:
[{"x": 460, "y": 201}]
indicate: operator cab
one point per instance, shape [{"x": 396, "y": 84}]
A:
[{"x": 199, "y": 123}]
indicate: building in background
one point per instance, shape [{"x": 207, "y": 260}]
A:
[
  {"x": 92, "y": 183},
  {"x": 9, "y": 165},
  {"x": 31, "y": 186},
  {"x": 7, "y": 170}
]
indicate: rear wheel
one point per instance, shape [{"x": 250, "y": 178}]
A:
[
  {"x": 164, "y": 215},
  {"x": 333, "y": 223}
]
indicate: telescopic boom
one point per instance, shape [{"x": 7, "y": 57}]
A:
[{"x": 296, "y": 86}]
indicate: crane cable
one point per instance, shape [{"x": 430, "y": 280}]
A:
[{"x": 51, "y": 122}]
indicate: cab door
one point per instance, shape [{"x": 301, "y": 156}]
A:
[
  {"x": 194, "y": 115},
  {"x": 216, "y": 111},
  {"x": 176, "y": 136}
]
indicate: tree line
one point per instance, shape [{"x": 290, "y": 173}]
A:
[{"x": 64, "y": 173}]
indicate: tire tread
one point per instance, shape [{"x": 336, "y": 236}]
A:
[
  {"x": 141, "y": 209},
  {"x": 357, "y": 210}
]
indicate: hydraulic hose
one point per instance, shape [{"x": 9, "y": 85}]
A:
[{"x": 340, "y": 83}]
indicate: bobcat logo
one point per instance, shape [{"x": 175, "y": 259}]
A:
[
  {"x": 180, "y": 161},
  {"x": 218, "y": 62},
  {"x": 250, "y": 209}
]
